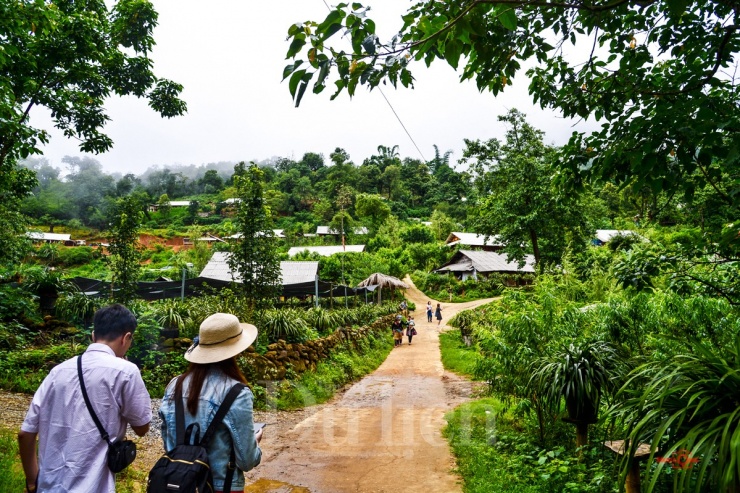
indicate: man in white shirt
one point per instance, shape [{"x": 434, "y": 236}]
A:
[{"x": 71, "y": 453}]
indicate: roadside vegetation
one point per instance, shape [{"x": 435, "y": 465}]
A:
[{"x": 569, "y": 367}]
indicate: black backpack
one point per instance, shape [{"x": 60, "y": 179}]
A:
[{"x": 185, "y": 468}]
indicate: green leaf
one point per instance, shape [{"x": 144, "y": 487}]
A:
[
  {"x": 294, "y": 80},
  {"x": 290, "y": 68},
  {"x": 369, "y": 43},
  {"x": 298, "y": 42},
  {"x": 301, "y": 91},
  {"x": 406, "y": 78},
  {"x": 453, "y": 48},
  {"x": 323, "y": 72},
  {"x": 507, "y": 17},
  {"x": 331, "y": 24}
]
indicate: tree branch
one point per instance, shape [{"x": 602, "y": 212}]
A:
[{"x": 724, "y": 196}]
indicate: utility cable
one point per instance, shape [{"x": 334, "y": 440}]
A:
[{"x": 394, "y": 111}]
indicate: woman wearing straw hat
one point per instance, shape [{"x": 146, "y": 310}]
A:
[{"x": 212, "y": 373}]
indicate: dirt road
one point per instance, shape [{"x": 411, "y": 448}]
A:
[{"x": 383, "y": 434}]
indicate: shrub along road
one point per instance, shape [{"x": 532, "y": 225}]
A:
[{"x": 382, "y": 434}]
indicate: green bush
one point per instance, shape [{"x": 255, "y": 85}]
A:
[
  {"x": 72, "y": 256},
  {"x": 24, "y": 370},
  {"x": 495, "y": 453}
]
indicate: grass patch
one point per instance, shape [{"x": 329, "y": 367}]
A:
[
  {"x": 320, "y": 385},
  {"x": 11, "y": 472},
  {"x": 456, "y": 356}
]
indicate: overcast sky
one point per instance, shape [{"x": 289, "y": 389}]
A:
[{"x": 230, "y": 54}]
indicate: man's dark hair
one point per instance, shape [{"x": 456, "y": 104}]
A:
[{"x": 112, "y": 322}]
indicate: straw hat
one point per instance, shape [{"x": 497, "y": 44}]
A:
[{"x": 221, "y": 337}]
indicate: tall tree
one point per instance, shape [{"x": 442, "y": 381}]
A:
[
  {"x": 373, "y": 209},
  {"x": 125, "y": 256},
  {"x": 254, "y": 255},
  {"x": 68, "y": 57},
  {"x": 523, "y": 209}
]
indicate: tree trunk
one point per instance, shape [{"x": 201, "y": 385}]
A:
[
  {"x": 535, "y": 247},
  {"x": 632, "y": 482},
  {"x": 581, "y": 434}
]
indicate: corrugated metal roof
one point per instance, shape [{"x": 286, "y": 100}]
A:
[
  {"x": 472, "y": 239},
  {"x": 48, "y": 236},
  {"x": 291, "y": 272},
  {"x": 327, "y": 251},
  {"x": 299, "y": 272},
  {"x": 484, "y": 262}
]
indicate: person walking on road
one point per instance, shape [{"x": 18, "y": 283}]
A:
[
  {"x": 397, "y": 328},
  {"x": 404, "y": 308},
  {"x": 438, "y": 313},
  {"x": 429, "y": 311},
  {"x": 411, "y": 329}
]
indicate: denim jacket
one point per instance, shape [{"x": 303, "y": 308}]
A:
[{"x": 236, "y": 431}]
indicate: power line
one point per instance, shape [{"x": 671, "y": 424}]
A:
[
  {"x": 394, "y": 111},
  {"x": 402, "y": 125}
]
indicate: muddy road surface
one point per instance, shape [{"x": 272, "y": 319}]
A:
[{"x": 383, "y": 434}]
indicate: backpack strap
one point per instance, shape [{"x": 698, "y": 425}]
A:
[
  {"x": 230, "y": 468},
  {"x": 221, "y": 413},
  {"x": 217, "y": 419},
  {"x": 179, "y": 413}
]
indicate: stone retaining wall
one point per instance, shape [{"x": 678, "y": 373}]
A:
[{"x": 301, "y": 357}]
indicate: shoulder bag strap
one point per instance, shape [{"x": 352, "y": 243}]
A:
[
  {"x": 217, "y": 419},
  {"x": 87, "y": 402},
  {"x": 179, "y": 413}
]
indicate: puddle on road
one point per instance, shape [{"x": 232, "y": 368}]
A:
[{"x": 269, "y": 486}]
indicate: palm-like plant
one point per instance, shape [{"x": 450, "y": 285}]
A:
[
  {"x": 171, "y": 314},
  {"x": 689, "y": 404},
  {"x": 78, "y": 307},
  {"x": 580, "y": 374},
  {"x": 464, "y": 322},
  {"x": 47, "y": 284},
  {"x": 284, "y": 324},
  {"x": 321, "y": 319}
]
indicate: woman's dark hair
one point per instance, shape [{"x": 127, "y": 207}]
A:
[
  {"x": 198, "y": 373},
  {"x": 113, "y": 321}
]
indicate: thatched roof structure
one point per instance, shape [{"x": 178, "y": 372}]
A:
[{"x": 384, "y": 281}]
